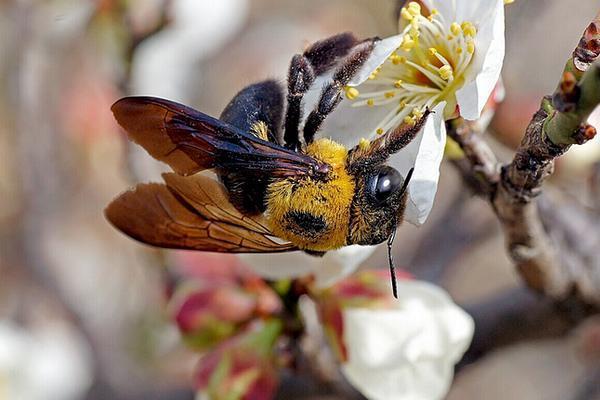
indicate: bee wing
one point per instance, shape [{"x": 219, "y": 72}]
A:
[
  {"x": 157, "y": 215},
  {"x": 209, "y": 199},
  {"x": 190, "y": 141}
]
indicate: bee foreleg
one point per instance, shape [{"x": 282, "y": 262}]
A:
[
  {"x": 324, "y": 54},
  {"x": 332, "y": 92},
  {"x": 300, "y": 77}
]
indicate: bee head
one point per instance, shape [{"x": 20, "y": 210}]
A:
[
  {"x": 381, "y": 191},
  {"x": 378, "y": 205}
]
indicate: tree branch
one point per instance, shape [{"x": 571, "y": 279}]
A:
[{"x": 559, "y": 123}]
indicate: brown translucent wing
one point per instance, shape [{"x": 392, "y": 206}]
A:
[
  {"x": 190, "y": 141},
  {"x": 209, "y": 199},
  {"x": 153, "y": 214}
]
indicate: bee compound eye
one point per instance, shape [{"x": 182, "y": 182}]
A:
[{"x": 387, "y": 182}]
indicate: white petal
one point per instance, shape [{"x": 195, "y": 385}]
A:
[
  {"x": 446, "y": 8},
  {"x": 382, "y": 50},
  {"x": 425, "y": 154},
  {"x": 52, "y": 362},
  {"x": 347, "y": 124},
  {"x": 484, "y": 71},
  {"x": 330, "y": 268},
  {"x": 408, "y": 352}
]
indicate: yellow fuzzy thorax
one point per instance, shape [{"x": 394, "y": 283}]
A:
[{"x": 328, "y": 201}]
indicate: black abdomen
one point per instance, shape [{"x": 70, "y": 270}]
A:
[{"x": 261, "y": 102}]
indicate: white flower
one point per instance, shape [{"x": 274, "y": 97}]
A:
[
  {"x": 330, "y": 268},
  {"x": 407, "y": 352},
  {"x": 165, "y": 63},
  {"x": 51, "y": 363},
  {"x": 447, "y": 57}
]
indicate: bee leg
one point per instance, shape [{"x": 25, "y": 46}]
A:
[
  {"x": 332, "y": 92},
  {"x": 325, "y": 53},
  {"x": 300, "y": 77}
]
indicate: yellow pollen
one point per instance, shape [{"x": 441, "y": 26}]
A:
[
  {"x": 370, "y": 102},
  {"x": 352, "y": 93},
  {"x": 373, "y": 75},
  {"x": 407, "y": 43},
  {"x": 402, "y": 103},
  {"x": 459, "y": 50},
  {"x": 414, "y": 8},
  {"x": 446, "y": 72},
  {"x": 398, "y": 84},
  {"x": 417, "y": 113},
  {"x": 409, "y": 120},
  {"x": 434, "y": 11},
  {"x": 406, "y": 14},
  {"x": 450, "y": 37},
  {"x": 364, "y": 144},
  {"x": 509, "y": 1},
  {"x": 468, "y": 29},
  {"x": 471, "y": 47},
  {"x": 379, "y": 131},
  {"x": 455, "y": 29},
  {"x": 397, "y": 60},
  {"x": 414, "y": 33},
  {"x": 433, "y": 51},
  {"x": 389, "y": 95}
]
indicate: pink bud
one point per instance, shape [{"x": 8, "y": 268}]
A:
[{"x": 243, "y": 367}]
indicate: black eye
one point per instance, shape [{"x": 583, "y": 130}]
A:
[{"x": 387, "y": 182}]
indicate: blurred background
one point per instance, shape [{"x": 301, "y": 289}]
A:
[{"x": 82, "y": 311}]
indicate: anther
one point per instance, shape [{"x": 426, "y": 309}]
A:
[
  {"x": 471, "y": 47},
  {"x": 407, "y": 43},
  {"x": 364, "y": 144},
  {"x": 414, "y": 8},
  {"x": 351, "y": 93},
  {"x": 455, "y": 29},
  {"x": 406, "y": 14},
  {"x": 446, "y": 72}
]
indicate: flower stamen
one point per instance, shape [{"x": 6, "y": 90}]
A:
[{"x": 427, "y": 67}]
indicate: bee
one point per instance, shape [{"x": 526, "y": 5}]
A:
[{"x": 275, "y": 190}]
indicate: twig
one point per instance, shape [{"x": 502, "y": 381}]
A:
[{"x": 559, "y": 123}]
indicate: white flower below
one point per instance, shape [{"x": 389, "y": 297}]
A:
[
  {"x": 329, "y": 269},
  {"x": 408, "y": 352},
  {"x": 52, "y": 363}
]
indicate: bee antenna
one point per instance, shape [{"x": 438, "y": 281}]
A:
[
  {"x": 407, "y": 181},
  {"x": 391, "y": 263}
]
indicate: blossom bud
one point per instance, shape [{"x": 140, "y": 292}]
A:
[{"x": 243, "y": 368}]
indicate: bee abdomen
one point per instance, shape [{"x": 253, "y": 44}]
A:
[{"x": 256, "y": 109}]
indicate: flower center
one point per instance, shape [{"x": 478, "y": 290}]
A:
[{"x": 427, "y": 68}]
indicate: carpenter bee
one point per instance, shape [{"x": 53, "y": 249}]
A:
[{"x": 276, "y": 191}]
